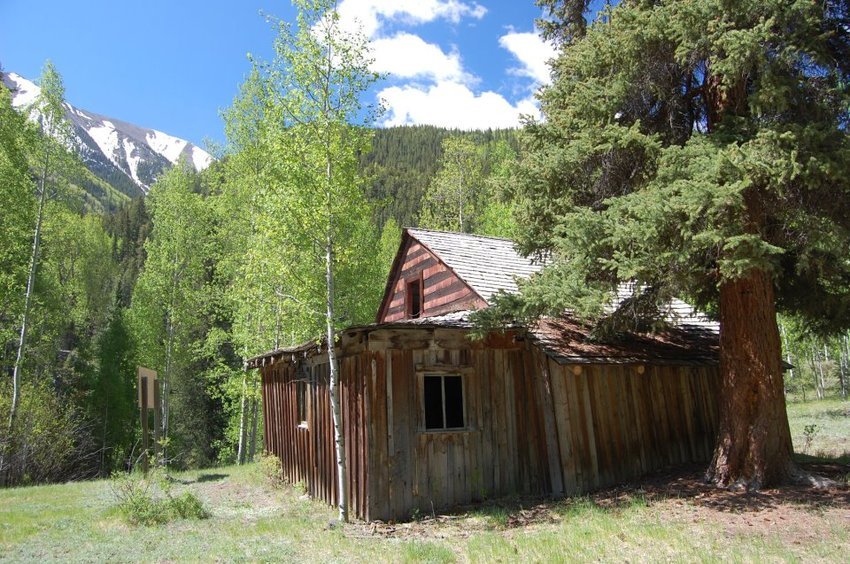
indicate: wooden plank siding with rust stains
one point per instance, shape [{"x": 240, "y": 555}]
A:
[
  {"x": 532, "y": 425},
  {"x": 307, "y": 452}
]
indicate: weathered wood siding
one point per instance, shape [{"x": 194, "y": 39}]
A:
[
  {"x": 443, "y": 291},
  {"x": 614, "y": 422},
  {"x": 533, "y": 426},
  {"x": 307, "y": 453},
  {"x": 502, "y": 450}
]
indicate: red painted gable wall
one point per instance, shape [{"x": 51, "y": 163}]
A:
[{"x": 443, "y": 292}]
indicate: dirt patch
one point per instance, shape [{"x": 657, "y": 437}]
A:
[{"x": 800, "y": 514}]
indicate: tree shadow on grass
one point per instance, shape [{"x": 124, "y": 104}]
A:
[
  {"x": 686, "y": 483},
  {"x": 200, "y": 479},
  {"x": 211, "y": 477},
  {"x": 680, "y": 483}
]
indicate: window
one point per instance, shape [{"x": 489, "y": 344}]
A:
[
  {"x": 414, "y": 299},
  {"x": 303, "y": 378},
  {"x": 443, "y": 401},
  {"x": 301, "y": 401}
]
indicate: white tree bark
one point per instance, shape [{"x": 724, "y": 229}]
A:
[
  {"x": 339, "y": 439},
  {"x": 252, "y": 446},
  {"x": 6, "y": 450},
  {"x": 845, "y": 364},
  {"x": 243, "y": 431}
]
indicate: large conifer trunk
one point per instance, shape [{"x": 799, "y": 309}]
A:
[{"x": 754, "y": 444}]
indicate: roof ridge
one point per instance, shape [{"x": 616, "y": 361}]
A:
[{"x": 461, "y": 234}]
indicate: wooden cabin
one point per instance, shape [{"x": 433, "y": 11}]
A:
[{"x": 434, "y": 419}]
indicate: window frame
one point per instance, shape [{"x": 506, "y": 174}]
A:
[
  {"x": 303, "y": 384},
  {"x": 419, "y": 282},
  {"x": 463, "y": 400}
]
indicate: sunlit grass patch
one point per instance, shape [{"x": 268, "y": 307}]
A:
[
  {"x": 425, "y": 551},
  {"x": 831, "y": 421}
]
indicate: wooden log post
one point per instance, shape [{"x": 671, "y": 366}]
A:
[
  {"x": 157, "y": 422},
  {"x": 143, "y": 416}
]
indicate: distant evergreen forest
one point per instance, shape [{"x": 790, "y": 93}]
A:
[{"x": 404, "y": 160}]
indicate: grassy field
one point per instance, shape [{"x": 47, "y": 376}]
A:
[
  {"x": 664, "y": 517},
  {"x": 831, "y": 433}
]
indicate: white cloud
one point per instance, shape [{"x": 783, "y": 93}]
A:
[
  {"x": 452, "y": 105},
  {"x": 370, "y": 14},
  {"x": 431, "y": 85},
  {"x": 532, "y": 52},
  {"x": 409, "y": 56}
]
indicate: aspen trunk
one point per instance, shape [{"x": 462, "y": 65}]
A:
[
  {"x": 7, "y": 447},
  {"x": 754, "y": 442},
  {"x": 336, "y": 412},
  {"x": 243, "y": 414},
  {"x": 845, "y": 365},
  {"x": 818, "y": 374},
  {"x": 166, "y": 385},
  {"x": 252, "y": 444},
  {"x": 339, "y": 439},
  {"x": 789, "y": 357}
]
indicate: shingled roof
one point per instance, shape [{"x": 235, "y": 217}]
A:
[
  {"x": 486, "y": 264},
  {"x": 565, "y": 340},
  {"x": 676, "y": 312}
]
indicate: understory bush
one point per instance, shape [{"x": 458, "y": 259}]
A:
[
  {"x": 271, "y": 469},
  {"x": 150, "y": 501},
  {"x": 50, "y": 440}
]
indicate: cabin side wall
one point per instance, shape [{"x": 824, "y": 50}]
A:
[
  {"x": 614, "y": 422},
  {"x": 307, "y": 452},
  {"x": 533, "y": 426},
  {"x": 443, "y": 291}
]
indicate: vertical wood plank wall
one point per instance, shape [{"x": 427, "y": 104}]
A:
[
  {"x": 533, "y": 426},
  {"x": 307, "y": 453}
]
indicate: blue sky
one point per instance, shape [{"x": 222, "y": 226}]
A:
[{"x": 172, "y": 65}]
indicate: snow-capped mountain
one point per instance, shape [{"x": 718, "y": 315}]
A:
[{"x": 127, "y": 156}]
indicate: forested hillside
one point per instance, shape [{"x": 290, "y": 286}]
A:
[{"x": 404, "y": 160}]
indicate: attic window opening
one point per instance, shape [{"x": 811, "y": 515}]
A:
[
  {"x": 414, "y": 299},
  {"x": 443, "y": 394}
]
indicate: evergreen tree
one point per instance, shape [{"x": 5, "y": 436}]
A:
[
  {"x": 700, "y": 150},
  {"x": 112, "y": 403}
]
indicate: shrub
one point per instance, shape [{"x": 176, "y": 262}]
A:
[
  {"x": 49, "y": 438},
  {"x": 149, "y": 501},
  {"x": 187, "y": 506},
  {"x": 271, "y": 470},
  {"x": 809, "y": 432}
]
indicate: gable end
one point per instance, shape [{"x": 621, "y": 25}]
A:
[{"x": 442, "y": 290}]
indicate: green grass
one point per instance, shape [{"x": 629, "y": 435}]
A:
[
  {"x": 831, "y": 417},
  {"x": 250, "y": 520}
]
